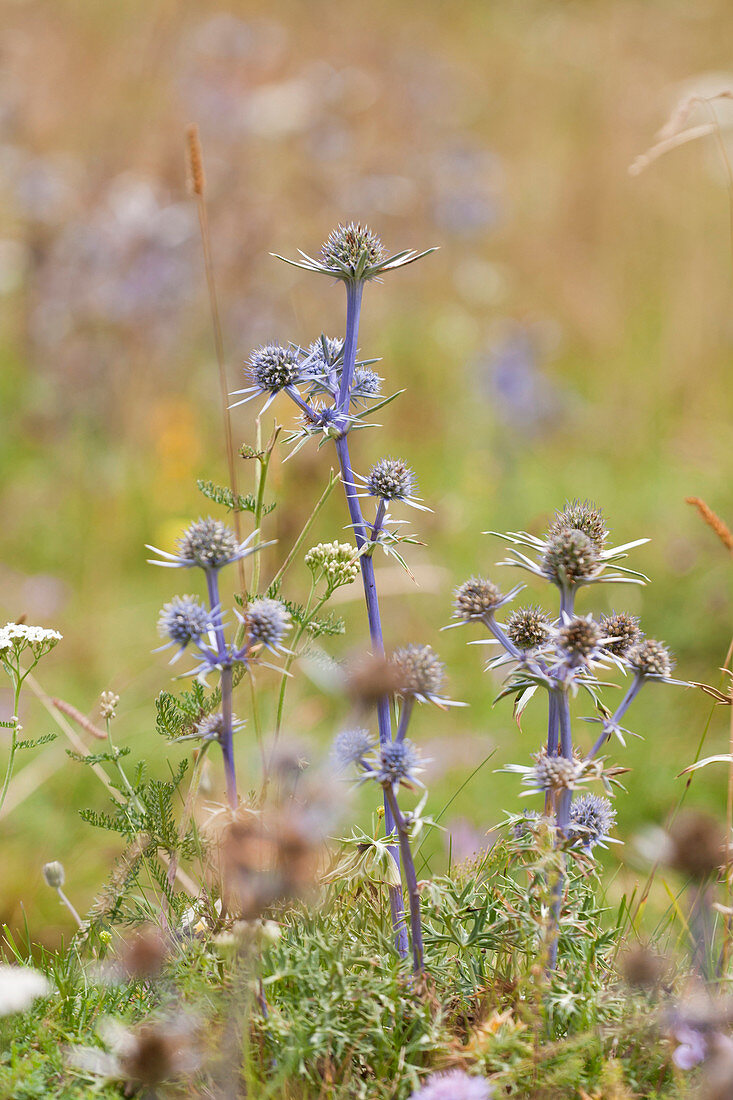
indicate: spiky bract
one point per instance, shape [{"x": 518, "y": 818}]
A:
[{"x": 397, "y": 763}]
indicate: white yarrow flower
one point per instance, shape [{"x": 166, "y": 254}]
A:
[{"x": 20, "y": 986}]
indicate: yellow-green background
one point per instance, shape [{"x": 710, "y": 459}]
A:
[{"x": 501, "y": 132}]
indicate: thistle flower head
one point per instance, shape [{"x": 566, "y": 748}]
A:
[
  {"x": 324, "y": 353},
  {"x": 552, "y": 773},
  {"x": 210, "y": 727},
  {"x": 528, "y": 628},
  {"x": 367, "y": 383},
  {"x": 623, "y": 630},
  {"x": 208, "y": 543},
  {"x": 390, "y": 479},
  {"x": 454, "y": 1084},
  {"x": 420, "y": 672},
  {"x": 475, "y": 598},
  {"x": 268, "y": 622},
  {"x": 336, "y": 561},
  {"x": 183, "y": 620},
  {"x": 350, "y": 746},
  {"x": 650, "y": 658},
  {"x": 352, "y": 248},
  {"x": 397, "y": 762},
  {"x": 591, "y": 819},
  {"x": 581, "y": 516},
  {"x": 579, "y": 638},
  {"x": 570, "y": 558},
  {"x": 271, "y": 368}
]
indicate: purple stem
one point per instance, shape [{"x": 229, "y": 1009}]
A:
[
  {"x": 623, "y": 706},
  {"x": 227, "y": 733},
  {"x": 405, "y": 715},
  {"x": 353, "y": 308},
  {"x": 354, "y": 291},
  {"x": 413, "y": 892},
  {"x": 562, "y": 822}
]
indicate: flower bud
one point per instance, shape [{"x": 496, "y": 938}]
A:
[{"x": 54, "y": 874}]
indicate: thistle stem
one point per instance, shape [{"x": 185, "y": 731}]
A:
[
  {"x": 405, "y": 715},
  {"x": 227, "y": 733},
  {"x": 353, "y": 308},
  {"x": 623, "y": 706},
  {"x": 413, "y": 892},
  {"x": 354, "y": 291}
]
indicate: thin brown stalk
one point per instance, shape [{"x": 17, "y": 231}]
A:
[
  {"x": 197, "y": 183},
  {"x": 80, "y": 719},
  {"x": 721, "y": 529}
]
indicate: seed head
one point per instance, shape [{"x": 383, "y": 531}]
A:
[
  {"x": 579, "y": 638},
  {"x": 54, "y": 874},
  {"x": 475, "y": 598},
  {"x": 272, "y": 367},
  {"x": 570, "y": 557},
  {"x": 553, "y": 773},
  {"x": 642, "y": 968},
  {"x": 369, "y": 679},
  {"x": 528, "y": 627},
  {"x": 624, "y": 629},
  {"x": 336, "y": 561},
  {"x": 208, "y": 543},
  {"x": 650, "y": 658},
  {"x": 455, "y": 1084},
  {"x": 698, "y": 844},
  {"x": 351, "y": 746},
  {"x": 591, "y": 819},
  {"x": 321, "y": 358},
  {"x": 391, "y": 479},
  {"x": 585, "y": 517},
  {"x": 353, "y": 246},
  {"x": 268, "y": 622},
  {"x": 182, "y": 620},
  {"x": 420, "y": 671},
  {"x": 398, "y": 760}
]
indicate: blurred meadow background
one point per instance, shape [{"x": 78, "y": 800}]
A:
[{"x": 571, "y": 338}]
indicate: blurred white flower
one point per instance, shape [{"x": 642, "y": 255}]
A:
[{"x": 20, "y": 986}]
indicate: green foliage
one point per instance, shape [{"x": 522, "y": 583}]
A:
[
  {"x": 233, "y": 502},
  {"x": 318, "y": 627}
]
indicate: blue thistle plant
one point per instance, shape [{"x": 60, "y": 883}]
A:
[{"x": 562, "y": 659}]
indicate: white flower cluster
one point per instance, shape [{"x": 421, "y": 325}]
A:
[
  {"x": 17, "y": 636},
  {"x": 19, "y": 987}
]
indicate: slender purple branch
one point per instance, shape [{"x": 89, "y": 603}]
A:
[
  {"x": 354, "y": 291},
  {"x": 405, "y": 715},
  {"x": 623, "y": 706},
  {"x": 353, "y": 307},
  {"x": 227, "y": 733},
  {"x": 413, "y": 892}
]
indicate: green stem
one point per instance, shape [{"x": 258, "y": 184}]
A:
[
  {"x": 13, "y": 740},
  {"x": 307, "y": 619}
]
